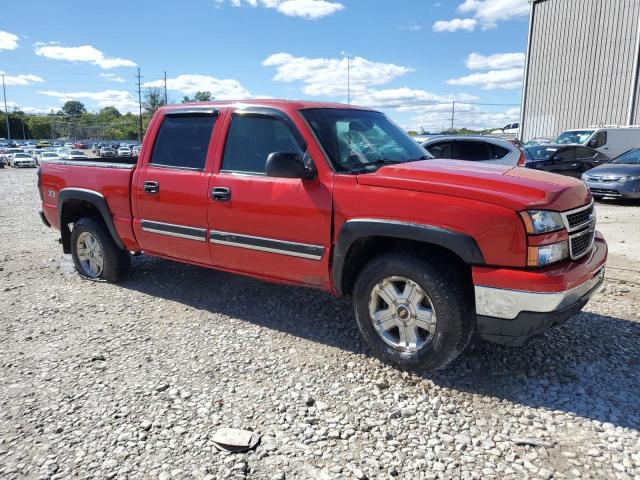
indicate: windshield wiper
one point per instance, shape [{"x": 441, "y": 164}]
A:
[{"x": 376, "y": 163}]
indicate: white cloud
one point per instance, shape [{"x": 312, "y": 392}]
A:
[
  {"x": 121, "y": 99},
  {"x": 486, "y": 13},
  {"x": 307, "y": 9},
  {"x": 498, "y": 61},
  {"x": 328, "y": 76},
  {"x": 405, "y": 99},
  {"x": 469, "y": 116},
  {"x": 39, "y": 110},
  {"x": 225, "y": 89},
  {"x": 23, "y": 79},
  {"x": 412, "y": 27},
  {"x": 112, "y": 77},
  {"x": 467, "y": 24},
  {"x": 491, "y": 80},
  {"x": 8, "y": 41},
  {"x": 84, "y": 53},
  {"x": 489, "y": 12}
]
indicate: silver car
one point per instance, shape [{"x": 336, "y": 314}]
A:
[
  {"x": 618, "y": 178},
  {"x": 475, "y": 148}
]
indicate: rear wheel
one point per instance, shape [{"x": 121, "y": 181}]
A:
[
  {"x": 95, "y": 254},
  {"x": 413, "y": 313}
]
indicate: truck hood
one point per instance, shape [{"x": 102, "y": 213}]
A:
[{"x": 514, "y": 187}]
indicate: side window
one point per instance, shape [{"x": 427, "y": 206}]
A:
[
  {"x": 252, "y": 138},
  {"x": 497, "y": 152},
  {"x": 585, "y": 154},
  {"x": 441, "y": 150},
  {"x": 600, "y": 139},
  {"x": 183, "y": 141},
  {"x": 565, "y": 155},
  {"x": 474, "y": 151}
]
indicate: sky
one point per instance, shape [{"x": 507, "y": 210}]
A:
[{"x": 410, "y": 58}]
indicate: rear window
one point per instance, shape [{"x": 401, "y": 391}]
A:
[
  {"x": 183, "y": 141},
  {"x": 498, "y": 152}
]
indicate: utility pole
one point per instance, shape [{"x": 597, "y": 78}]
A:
[
  {"x": 6, "y": 112},
  {"x": 165, "y": 89},
  {"x": 139, "y": 106},
  {"x": 453, "y": 113},
  {"x": 348, "y": 80},
  {"x": 23, "y": 135}
]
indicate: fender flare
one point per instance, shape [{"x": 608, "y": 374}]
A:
[
  {"x": 94, "y": 198},
  {"x": 463, "y": 245}
]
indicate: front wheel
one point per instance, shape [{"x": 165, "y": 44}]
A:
[
  {"x": 95, "y": 255},
  {"x": 413, "y": 313}
]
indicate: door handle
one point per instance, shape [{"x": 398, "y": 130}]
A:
[
  {"x": 151, "y": 186},
  {"x": 221, "y": 194}
]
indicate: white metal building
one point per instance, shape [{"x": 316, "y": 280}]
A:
[{"x": 582, "y": 66}]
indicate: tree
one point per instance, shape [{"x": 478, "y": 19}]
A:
[
  {"x": 199, "y": 97},
  {"x": 110, "y": 112},
  {"x": 153, "y": 100},
  {"x": 73, "y": 108}
]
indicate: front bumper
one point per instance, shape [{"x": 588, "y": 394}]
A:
[
  {"x": 512, "y": 316},
  {"x": 627, "y": 189}
]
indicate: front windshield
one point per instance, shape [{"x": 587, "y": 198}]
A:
[
  {"x": 576, "y": 137},
  {"x": 361, "y": 140},
  {"x": 76, "y": 152},
  {"x": 541, "y": 153},
  {"x": 630, "y": 158}
]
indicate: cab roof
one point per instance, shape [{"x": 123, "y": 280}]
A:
[{"x": 269, "y": 103}]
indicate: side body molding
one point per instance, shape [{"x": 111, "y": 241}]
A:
[
  {"x": 94, "y": 198},
  {"x": 461, "y": 244}
]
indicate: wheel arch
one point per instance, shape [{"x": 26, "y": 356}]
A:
[
  {"x": 362, "y": 239},
  {"x": 76, "y": 203}
]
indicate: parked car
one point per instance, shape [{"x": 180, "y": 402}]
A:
[
  {"x": 73, "y": 154},
  {"x": 475, "y": 148},
  {"x": 107, "y": 152},
  {"x": 8, "y": 152},
  {"x": 43, "y": 144},
  {"x": 46, "y": 156},
  {"x": 19, "y": 160},
  {"x": 618, "y": 178},
  {"x": 571, "y": 160},
  {"x": 124, "y": 152},
  {"x": 57, "y": 145},
  {"x": 80, "y": 146},
  {"x": 135, "y": 151},
  {"x": 430, "y": 251},
  {"x": 612, "y": 142},
  {"x": 510, "y": 129}
]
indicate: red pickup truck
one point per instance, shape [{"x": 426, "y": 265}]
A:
[{"x": 340, "y": 199}]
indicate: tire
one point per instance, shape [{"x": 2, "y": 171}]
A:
[
  {"x": 116, "y": 263},
  {"x": 447, "y": 293}
]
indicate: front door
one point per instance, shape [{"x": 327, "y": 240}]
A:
[
  {"x": 171, "y": 187},
  {"x": 274, "y": 227}
]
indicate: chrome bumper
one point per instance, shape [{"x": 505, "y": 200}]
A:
[{"x": 508, "y": 304}]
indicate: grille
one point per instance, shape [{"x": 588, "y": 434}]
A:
[
  {"x": 580, "y": 243},
  {"x": 605, "y": 191},
  {"x": 580, "y": 218},
  {"x": 610, "y": 179}
]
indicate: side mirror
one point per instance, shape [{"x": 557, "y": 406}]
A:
[
  {"x": 593, "y": 143},
  {"x": 288, "y": 165}
]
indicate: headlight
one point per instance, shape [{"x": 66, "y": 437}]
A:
[
  {"x": 583, "y": 177},
  {"x": 629, "y": 179},
  {"x": 547, "y": 254},
  {"x": 542, "y": 221}
]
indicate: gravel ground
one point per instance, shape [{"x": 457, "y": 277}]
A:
[{"x": 131, "y": 381}]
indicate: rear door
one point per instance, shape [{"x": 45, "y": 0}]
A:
[
  {"x": 274, "y": 227},
  {"x": 170, "y": 188}
]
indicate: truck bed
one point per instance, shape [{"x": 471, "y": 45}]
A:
[{"x": 109, "y": 178}]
